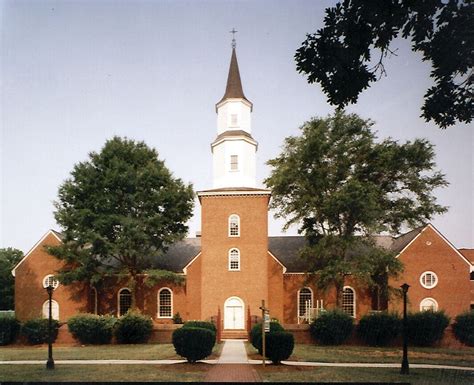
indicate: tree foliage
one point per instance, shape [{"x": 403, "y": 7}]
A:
[
  {"x": 9, "y": 257},
  {"x": 118, "y": 209},
  {"x": 341, "y": 186},
  {"x": 339, "y": 56}
]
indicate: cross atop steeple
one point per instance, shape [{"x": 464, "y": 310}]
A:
[{"x": 233, "y": 32}]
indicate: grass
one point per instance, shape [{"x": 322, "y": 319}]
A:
[
  {"x": 88, "y": 373},
  {"x": 97, "y": 352},
  {"x": 281, "y": 373},
  {"x": 440, "y": 356}
]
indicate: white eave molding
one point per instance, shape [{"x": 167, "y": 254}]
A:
[
  {"x": 429, "y": 225},
  {"x": 34, "y": 247},
  {"x": 276, "y": 259},
  {"x": 185, "y": 268}
]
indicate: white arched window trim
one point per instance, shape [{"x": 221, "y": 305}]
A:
[
  {"x": 234, "y": 259},
  {"x": 234, "y": 225},
  {"x": 50, "y": 280},
  {"x": 54, "y": 309},
  {"x": 354, "y": 302},
  {"x": 424, "y": 301},
  {"x": 160, "y": 304},
  {"x": 299, "y": 310},
  {"x": 119, "y": 312}
]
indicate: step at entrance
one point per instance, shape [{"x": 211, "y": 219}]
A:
[{"x": 234, "y": 334}]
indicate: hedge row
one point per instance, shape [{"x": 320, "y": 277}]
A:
[{"x": 380, "y": 329}]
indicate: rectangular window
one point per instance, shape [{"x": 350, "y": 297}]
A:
[
  {"x": 234, "y": 162},
  {"x": 233, "y": 120}
]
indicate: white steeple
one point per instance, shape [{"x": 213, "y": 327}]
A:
[{"x": 234, "y": 149}]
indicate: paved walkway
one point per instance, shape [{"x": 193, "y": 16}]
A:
[{"x": 232, "y": 365}]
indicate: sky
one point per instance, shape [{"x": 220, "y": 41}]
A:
[{"x": 75, "y": 73}]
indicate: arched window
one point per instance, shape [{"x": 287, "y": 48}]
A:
[
  {"x": 54, "y": 309},
  {"x": 93, "y": 300},
  {"x": 234, "y": 226},
  {"x": 429, "y": 304},
  {"x": 428, "y": 279},
  {"x": 348, "y": 301},
  {"x": 234, "y": 259},
  {"x": 124, "y": 301},
  {"x": 49, "y": 280},
  {"x": 165, "y": 303},
  {"x": 305, "y": 301}
]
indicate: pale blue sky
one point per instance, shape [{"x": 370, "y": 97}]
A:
[{"x": 75, "y": 73}]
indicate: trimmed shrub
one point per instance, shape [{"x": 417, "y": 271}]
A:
[
  {"x": 200, "y": 324},
  {"x": 91, "y": 328},
  {"x": 426, "y": 328},
  {"x": 193, "y": 343},
  {"x": 332, "y": 327},
  {"x": 463, "y": 328},
  {"x": 279, "y": 346},
  {"x": 36, "y": 330},
  {"x": 256, "y": 334},
  {"x": 133, "y": 328},
  {"x": 9, "y": 327},
  {"x": 177, "y": 319},
  {"x": 379, "y": 329}
]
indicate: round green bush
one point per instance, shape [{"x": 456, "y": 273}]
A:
[
  {"x": 426, "y": 328},
  {"x": 279, "y": 346},
  {"x": 36, "y": 330},
  {"x": 203, "y": 325},
  {"x": 91, "y": 328},
  {"x": 9, "y": 327},
  {"x": 379, "y": 329},
  {"x": 133, "y": 328},
  {"x": 463, "y": 328},
  {"x": 193, "y": 343},
  {"x": 256, "y": 334},
  {"x": 332, "y": 327}
]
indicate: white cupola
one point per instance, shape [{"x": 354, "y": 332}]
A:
[{"x": 234, "y": 149}]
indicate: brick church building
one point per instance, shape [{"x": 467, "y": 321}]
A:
[{"x": 233, "y": 265}]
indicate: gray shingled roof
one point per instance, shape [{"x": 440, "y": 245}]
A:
[{"x": 178, "y": 255}]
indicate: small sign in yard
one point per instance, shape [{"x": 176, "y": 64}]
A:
[{"x": 266, "y": 319}]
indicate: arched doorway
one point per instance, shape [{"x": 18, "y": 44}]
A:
[{"x": 234, "y": 313}]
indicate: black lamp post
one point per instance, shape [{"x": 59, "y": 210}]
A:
[
  {"x": 405, "y": 367},
  {"x": 50, "y": 362}
]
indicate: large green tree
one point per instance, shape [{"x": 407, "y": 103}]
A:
[
  {"x": 340, "y": 56},
  {"x": 9, "y": 257},
  {"x": 341, "y": 185},
  {"x": 118, "y": 209}
]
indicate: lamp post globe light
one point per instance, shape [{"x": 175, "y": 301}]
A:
[
  {"x": 405, "y": 367},
  {"x": 50, "y": 362}
]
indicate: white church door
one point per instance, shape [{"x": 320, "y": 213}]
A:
[{"x": 234, "y": 313}]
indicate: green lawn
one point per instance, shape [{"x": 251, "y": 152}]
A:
[
  {"x": 88, "y": 373},
  {"x": 324, "y": 374},
  {"x": 313, "y": 353},
  {"x": 97, "y": 352}
]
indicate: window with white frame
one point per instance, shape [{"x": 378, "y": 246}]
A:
[
  {"x": 429, "y": 304},
  {"x": 234, "y": 226},
  {"x": 348, "y": 301},
  {"x": 234, "y": 259},
  {"x": 49, "y": 280},
  {"x": 305, "y": 301},
  {"x": 54, "y": 309},
  {"x": 234, "y": 163},
  {"x": 165, "y": 303},
  {"x": 124, "y": 301},
  {"x": 428, "y": 279}
]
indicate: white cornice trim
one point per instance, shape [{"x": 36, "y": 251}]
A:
[
  {"x": 34, "y": 247},
  {"x": 235, "y": 138},
  {"x": 276, "y": 259},
  {"x": 232, "y": 192},
  {"x": 227, "y": 100},
  {"x": 185, "y": 268}
]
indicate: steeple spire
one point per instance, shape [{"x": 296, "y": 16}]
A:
[{"x": 234, "y": 88}]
